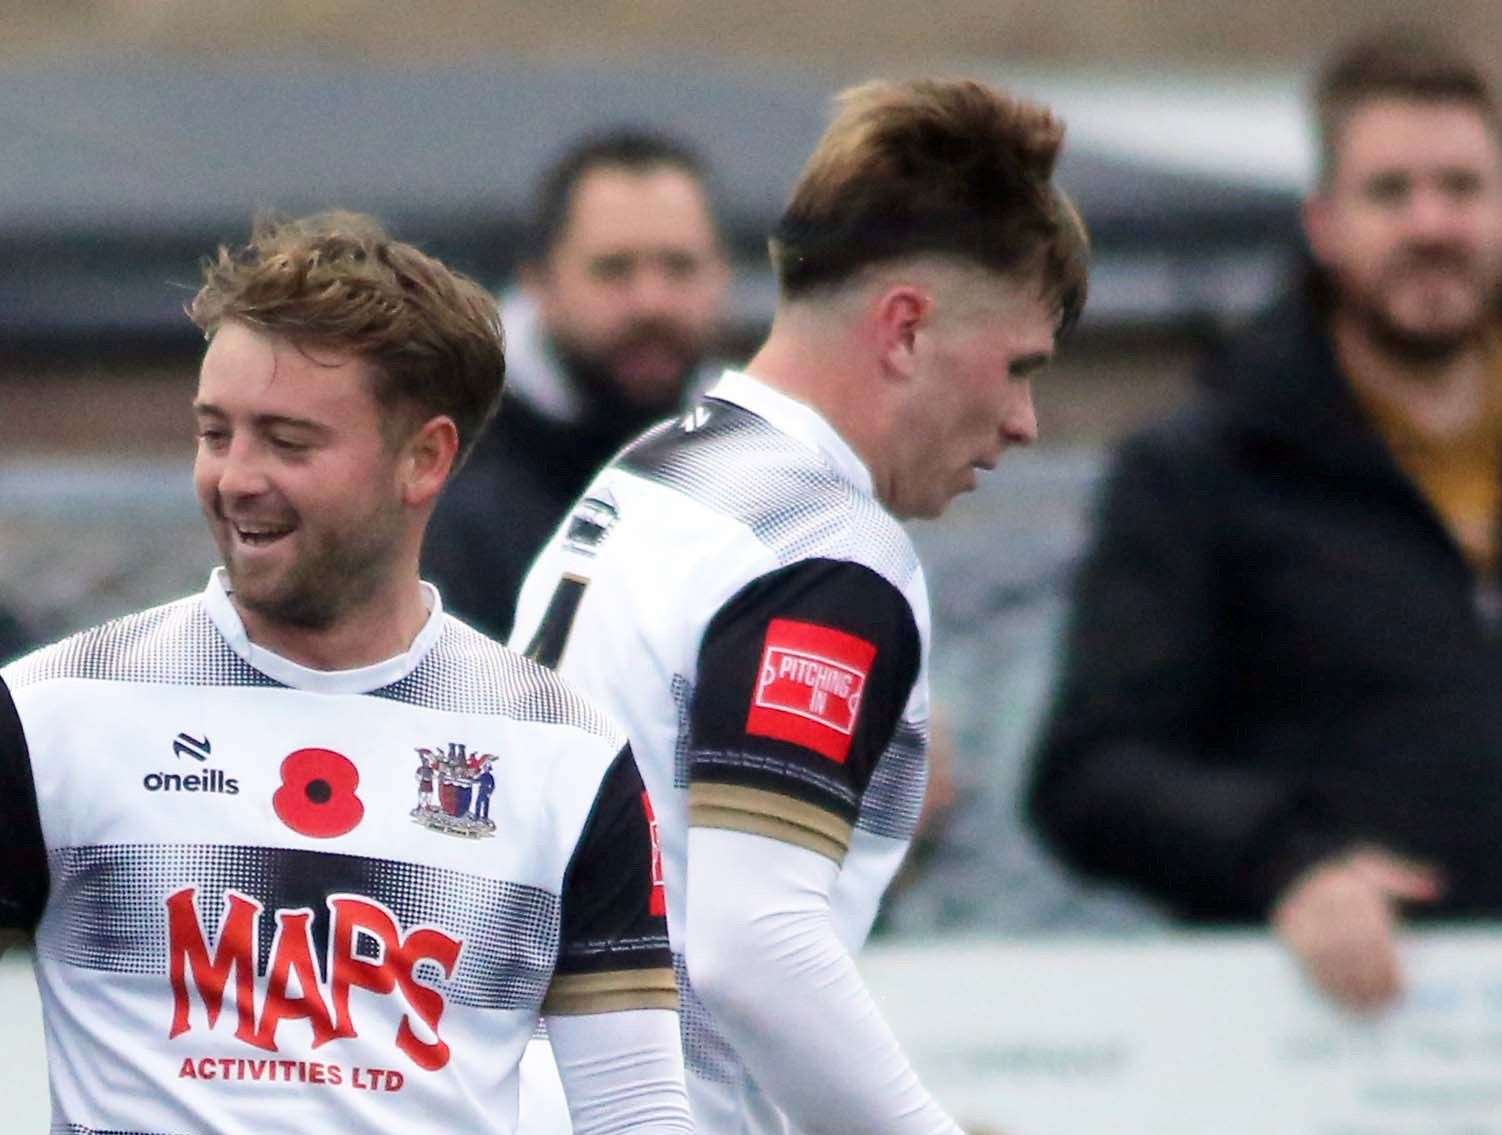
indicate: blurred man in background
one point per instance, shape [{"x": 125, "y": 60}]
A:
[
  {"x": 1280, "y": 698},
  {"x": 620, "y": 301},
  {"x": 736, "y": 586}
]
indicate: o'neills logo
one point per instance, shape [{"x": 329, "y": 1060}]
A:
[
  {"x": 809, "y": 686},
  {"x": 292, "y": 989},
  {"x": 209, "y": 780}
]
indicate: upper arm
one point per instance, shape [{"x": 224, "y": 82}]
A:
[
  {"x": 802, "y": 680},
  {"x": 23, "y": 853},
  {"x": 613, "y": 944}
]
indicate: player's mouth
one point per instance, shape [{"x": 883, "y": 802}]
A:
[{"x": 259, "y": 535}]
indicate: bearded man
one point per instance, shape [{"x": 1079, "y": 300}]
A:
[
  {"x": 1280, "y": 693},
  {"x": 620, "y": 300}
]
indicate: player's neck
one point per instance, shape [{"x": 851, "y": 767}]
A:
[
  {"x": 1440, "y": 396},
  {"x": 822, "y": 371},
  {"x": 380, "y": 627}
]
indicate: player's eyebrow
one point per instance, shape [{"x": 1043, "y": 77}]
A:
[
  {"x": 266, "y": 421},
  {"x": 1027, "y": 364}
]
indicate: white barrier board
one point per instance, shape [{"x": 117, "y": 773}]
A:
[{"x": 1204, "y": 1035}]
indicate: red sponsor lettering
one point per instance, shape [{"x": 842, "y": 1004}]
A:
[
  {"x": 311, "y": 1072},
  {"x": 809, "y": 686},
  {"x": 325, "y": 1008},
  {"x": 657, "y": 900},
  {"x": 234, "y": 954},
  {"x": 292, "y": 956}
]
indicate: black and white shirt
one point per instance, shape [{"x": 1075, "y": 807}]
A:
[
  {"x": 273, "y": 898},
  {"x": 732, "y": 592}
]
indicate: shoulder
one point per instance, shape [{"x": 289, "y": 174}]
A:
[
  {"x": 174, "y": 644},
  {"x": 788, "y": 497},
  {"x": 469, "y": 672}
]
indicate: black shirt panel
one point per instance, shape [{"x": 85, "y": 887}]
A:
[
  {"x": 614, "y": 905},
  {"x": 803, "y": 677},
  {"x": 23, "y": 852}
]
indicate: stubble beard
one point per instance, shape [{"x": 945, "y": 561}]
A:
[
  {"x": 1371, "y": 311},
  {"x": 337, "y": 574},
  {"x": 597, "y": 369}
]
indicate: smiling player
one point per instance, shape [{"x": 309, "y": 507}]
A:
[{"x": 302, "y": 852}]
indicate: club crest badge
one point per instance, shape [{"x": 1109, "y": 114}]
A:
[{"x": 453, "y": 791}]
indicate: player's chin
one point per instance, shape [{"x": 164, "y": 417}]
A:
[
  {"x": 965, "y": 481},
  {"x": 935, "y": 506},
  {"x": 253, "y": 585},
  {"x": 1440, "y": 311}
]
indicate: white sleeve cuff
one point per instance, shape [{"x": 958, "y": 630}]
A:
[{"x": 622, "y": 1072}]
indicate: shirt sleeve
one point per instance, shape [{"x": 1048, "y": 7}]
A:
[
  {"x": 622, "y": 1072},
  {"x": 23, "y": 852},
  {"x": 766, "y": 960},
  {"x": 613, "y": 950},
  {"x": 802, "y": 680}
]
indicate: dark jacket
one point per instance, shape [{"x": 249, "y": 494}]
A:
[
  {"x": 1277, "y": 652},
  {"x": 500, "y": 509},
  {"x": 536, "y": 458}
]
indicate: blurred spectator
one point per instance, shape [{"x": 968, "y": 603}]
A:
[
  {"x": 15, "y": 640},
  {"x": 619, "y": 302},
  {"x": 1280, "y": 697}
]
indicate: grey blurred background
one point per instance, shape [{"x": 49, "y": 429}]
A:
[{"x": 135, "y": 135}]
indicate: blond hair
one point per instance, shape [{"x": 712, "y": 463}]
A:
[{"x": 338, "y": 280}]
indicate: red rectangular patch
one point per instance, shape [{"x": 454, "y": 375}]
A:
[
  {"x": 809, "y": 686},
  {"x": 657, "y": 902}
]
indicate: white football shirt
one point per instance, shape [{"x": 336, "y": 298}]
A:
[
  {"x": 731, "y": 591},
  {"x": 268, "y": 898}
]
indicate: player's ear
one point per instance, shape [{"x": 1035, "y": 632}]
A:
[
  {"x": 427, "y": 458},
  {"x": 898, "y": 314}
]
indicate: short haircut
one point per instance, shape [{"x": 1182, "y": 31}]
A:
[
  {"x": 336, "y": 280},
  {"x": 631, "y": 148},
  {"x": 1397, "y": 62},
  {"x": 949, "y": 168}
]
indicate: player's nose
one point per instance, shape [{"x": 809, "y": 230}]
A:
[
  {"x": 1020, "y": 426},
  {"x": 241, "y": 471}
]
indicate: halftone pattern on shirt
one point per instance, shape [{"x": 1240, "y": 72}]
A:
[
  {"x": 108, "y": 910},
  {"x": 790, "y": 497},
  {"x": 894, "y": 795},
  {"x": 175, "y": 644},
  {"x": 706, "y": 1052},
  {"x": 466, "y": 672},
  {"x": 683, "y": 697}
]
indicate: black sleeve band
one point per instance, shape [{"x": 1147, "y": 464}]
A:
[
  {"x": 23, "y": 852},
  {"x": 803, "y": 677},
  {"x": 613, "y": 950}
]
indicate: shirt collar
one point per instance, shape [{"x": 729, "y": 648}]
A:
[
  {"x": 798, "y": 420},
  {"x": 362, "y": 680}
]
